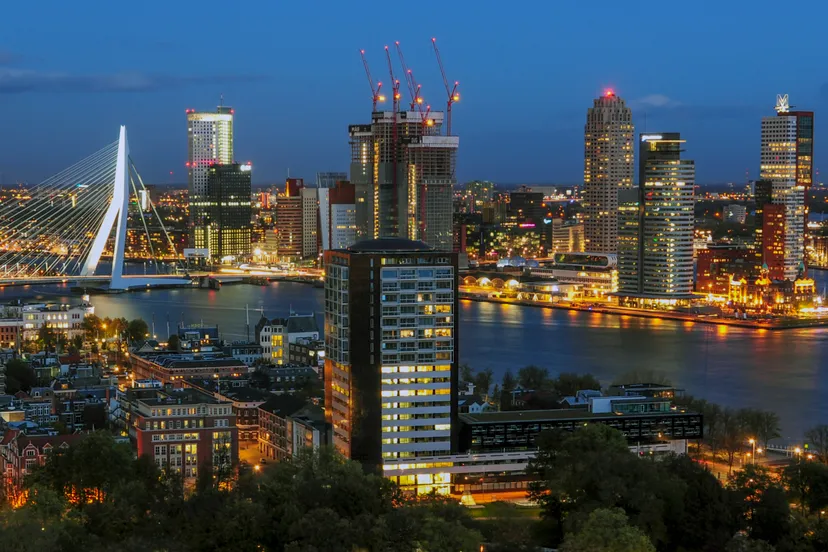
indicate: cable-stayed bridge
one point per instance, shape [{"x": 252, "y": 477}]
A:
[{"x": 61, "y": 232}]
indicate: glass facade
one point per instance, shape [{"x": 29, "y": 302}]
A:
[{"x": 230, "y": 211}]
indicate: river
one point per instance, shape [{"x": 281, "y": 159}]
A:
[{"x": 784, "y": 371}]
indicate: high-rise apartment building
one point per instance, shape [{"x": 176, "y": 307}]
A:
[
  {"x": 289, "y": 221},
  {"x": 787, "y": 163},
  {"x": 608, "y": 168},
  {"x": 209, "y": 142},
  {"x": 337, "y": 216},
  {"x": 229, "y": 212},
  {"x": 391, "y": 353},
  {"x": 403, "y": 171},
  {"x": 526, "y": 206},
  {"x": 310, "y": 222},
  {"x": 656, "y": 225}
]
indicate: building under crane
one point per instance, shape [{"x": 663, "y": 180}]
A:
[{"x": 403, "y": 168}]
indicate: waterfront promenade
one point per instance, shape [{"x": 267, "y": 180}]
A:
[{"x": 772, "y": 324}]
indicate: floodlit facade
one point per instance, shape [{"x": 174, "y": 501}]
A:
[
  {"x": 608, "y": 167},
  {"x": 403, "y": 171},
  {"x": 788, "y": 165},
  {"x": 391, "y": 356},
  {"x": 656, "y": 227},
  {"x": 209, "y": 141},
  {"x": 229, "y": 213}
]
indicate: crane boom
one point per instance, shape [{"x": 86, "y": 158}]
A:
[
  {"x": 375, "y": 90},
  {"x": 413, "y": 87},
  {"x": 452, "y": 93}
]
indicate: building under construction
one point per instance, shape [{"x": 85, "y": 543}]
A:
[
  {"x": 403, "y": 168},
  {"x": 403, "y": 171}
]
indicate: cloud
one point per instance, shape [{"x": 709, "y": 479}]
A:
[
  {"x": 655, "y": 100},
  {"x": 16, "y": 81},
  {"x": 7, "y": 58}
]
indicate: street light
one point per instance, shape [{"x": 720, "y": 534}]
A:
[{"x": 753, "y": 443}]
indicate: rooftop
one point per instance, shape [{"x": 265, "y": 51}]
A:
[
  {"x": 389, "y": 245},
  {"x": 163, "y": 397},
  {"x": 555, "y": 414}
]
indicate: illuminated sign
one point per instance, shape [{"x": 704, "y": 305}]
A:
[
  {"x": 782, "y": 103},
  {"x": 246, "y": 168},
  {"x": 648, "y": 137}
]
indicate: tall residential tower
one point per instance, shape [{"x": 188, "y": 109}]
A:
[
  {"x": 209, "y": 142},
  {"x": 391, "y": 356},
  {"x": 656, "y": 225},
  {"x": 787, "y": 164},
  {"x": 608, "y": 168}
]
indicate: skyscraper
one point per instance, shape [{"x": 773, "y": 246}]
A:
[
  {"x": 289, "y": 221},
  {"x": 403, "y": 172},
  {"x": 209, "y": 141},
  {"x": 391, "y": 353},
  {"x": 608, "y": 167},
  {"x": 656, "y": 225},
  {"x": 329, "y": 179},
  {"x": 787, "y": 163},
  {"x": 229, "y": 212}
]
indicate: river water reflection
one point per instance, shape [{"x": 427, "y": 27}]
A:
[{"x": 783, "y": 371}]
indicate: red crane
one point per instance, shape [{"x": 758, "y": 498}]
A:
[
  {"x": 394, "y": 82},
  {"x": 413, "y": 87},
  {"x": 453, "y": 95},
  {"x": 375, "y": 91}
]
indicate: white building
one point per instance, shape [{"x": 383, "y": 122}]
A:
[
  {"x": 608, "y": 167},
  {"x": 209, "y": 140},
  {"x": 778, "y": 165},
  {"x": 61, "y": 318},
  {"x": 275, "y": 334}
]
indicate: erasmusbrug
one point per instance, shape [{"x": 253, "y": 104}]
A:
[{"x": 60, "y": 232}]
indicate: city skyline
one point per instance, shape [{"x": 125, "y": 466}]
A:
[{"x": 90, "y": 89}]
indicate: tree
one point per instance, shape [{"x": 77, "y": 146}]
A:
[
  {"x": 77, "y": 342},
  {"x": 483, "y": 381},
  {"x": 817, "y": 438},
  {"x": 732, "y": 435},
  {"x": 533, "y": 378},
  {"x": 260, "y": 378},
  {"x": 173, "y": 343},
  {"x": 46, "y": 338},
  {"x": 807, "y": 482},
  {"x": 19, "y": 376},
  {"x": 592, "y": 467},
  {"x": 137, "y": 330},
  {"x": 567, "y": 383},
  {"x": 607, "y": 530},
  {"x": 741, "y": 543},
  {"x": 508, "y": 384},
  {"x": 466, "y": 373}
]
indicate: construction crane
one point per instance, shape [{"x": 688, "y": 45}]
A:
[
  {"x": 394, "y": 82},
  {"x": 413, "y": 87},
  {"x": 375, "y": 90},
  {"x": 453, "y": 95}
]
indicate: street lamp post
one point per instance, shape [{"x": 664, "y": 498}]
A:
[{"x": 753, "y": 443}]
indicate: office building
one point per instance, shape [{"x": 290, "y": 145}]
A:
[
  {"x": 329, "y": 179},
  {"x": 735, "y": 213},
  {"x": 310, "y": 223},
  {"x": 403, "y": 171},
  {"x": 290, "y": 221},
  {"x": 717, "y": 266},
  {"x": 787, "y": 163},
  {"x": 608, "y": 168},
  {"x": 526, "y": 206},
  {"x": 337, "y": 215},
  {"x": 656, "y": 226},
  {"x": 209, "y": 142},
  {"x": 391, "y": 354},
  {"x": 229, "y": 211},
  {"x": 567, "y": 236}
]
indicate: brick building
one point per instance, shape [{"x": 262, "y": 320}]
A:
[
  {"x": 175, "y": 367},
  {"x": 22, "y": 453},
  {"x": 185, "y": 429},
  {"x": 274, "y": 441}
]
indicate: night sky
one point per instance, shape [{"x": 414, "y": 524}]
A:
[{"x": 71, "y": 72}]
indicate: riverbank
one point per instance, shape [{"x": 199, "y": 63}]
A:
[{"x": 785, "y": 324}]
